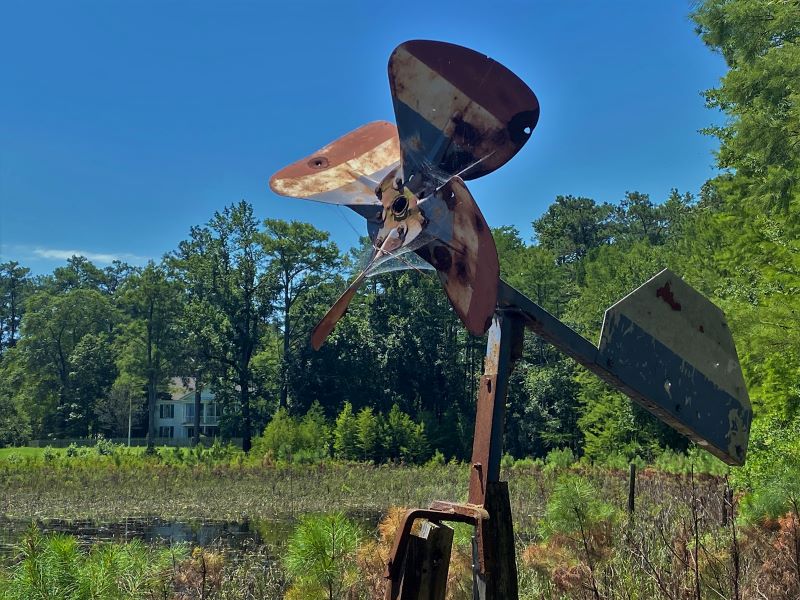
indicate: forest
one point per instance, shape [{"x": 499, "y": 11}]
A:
[{"x": 234, "y": 303}]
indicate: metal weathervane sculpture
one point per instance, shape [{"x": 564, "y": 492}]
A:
[{"x": 461, "y": 115}]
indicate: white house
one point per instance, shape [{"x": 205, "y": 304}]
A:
[{"x": 175, "y": 417}]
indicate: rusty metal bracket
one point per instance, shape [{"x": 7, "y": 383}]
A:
[{"x": 439, "y": 511}]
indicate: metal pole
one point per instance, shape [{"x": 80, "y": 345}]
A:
[
  {"x": 494, "y": 571},
  {"x": 130, "y": 412}
]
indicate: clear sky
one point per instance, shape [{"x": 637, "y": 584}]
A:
[{"x": 122, "y": 124}]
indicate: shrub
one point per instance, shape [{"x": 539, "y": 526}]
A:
[
  {"x": 528, "y": 463},
  {"x": 321, "y": 556},
  {"x": 574, "y": 507},
  {"x": 49, "y": 455},
  {"x": 559, "y": 458},
  {"x": 437, "y": 460},
  {"x": 575, "y": 512},
  {"x": 55, "y": 566},
  {"x": 104, "y": 447},
  {"x": 622, "y": 462},
  {"x": 369, "y": 435},
  {"x": 286, "y": 438},
  {"x": 345, "y": 434},
  {"x": 507, "y": 461},
  {"x": 73, "y": 451}
]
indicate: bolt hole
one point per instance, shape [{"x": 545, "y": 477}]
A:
[
  {"x": 399, "y": 206},
  {"x": 527, "y": 130},
  {"x": 318, "y": 162}
]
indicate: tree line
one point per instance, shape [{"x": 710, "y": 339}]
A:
[{"x": 234, "y": 303}]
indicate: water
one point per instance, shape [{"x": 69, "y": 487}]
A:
[{"x": 233, "y": 537}]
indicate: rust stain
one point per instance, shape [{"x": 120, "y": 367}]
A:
[
  {"x": 667, "y": 296},
  {"x": 340, "y": 165},
  {"x": 442, "y": 260}
]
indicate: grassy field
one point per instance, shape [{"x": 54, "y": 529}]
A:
[
  {"x": 575, "y": 538},
  {"x": 28, "y": 452},
  {"x": 572, "y": 528},
  {"x": 104, "y": 488}
]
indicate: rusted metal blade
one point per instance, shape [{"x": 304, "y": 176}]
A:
[
  {"x": 463, "y": 253},
  {"x": 345, "y": 171},
  {"x": 395, "y": 241},
  {"x": 454, "y": 108},
  {"x": 335, "y": 312}
]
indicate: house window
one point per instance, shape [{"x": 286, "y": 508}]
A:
[
  {"x": 166, "y": 411},
  {"x": 190, "y": 410},
  {"x": 212, "y": 410},
  {"x": 166, "y": 432}
]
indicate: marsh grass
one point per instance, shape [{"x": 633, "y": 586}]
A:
[{"x": 683, "y": 542}]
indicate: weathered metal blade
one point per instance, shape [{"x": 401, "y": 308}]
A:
[
  {"x": 455, "y": 108},
  {"x": 345, "y": 171},
  {"x": 335, "y": 312},
  {"x": 463, "y": 252},
  {"x": 396, "y": 240},
  {"x": 672, "y": 348}
]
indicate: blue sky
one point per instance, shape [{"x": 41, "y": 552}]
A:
[{"x": 122, "y": 124}]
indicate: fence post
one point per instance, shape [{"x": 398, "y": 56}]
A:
[{"x": 632, "y": 489}]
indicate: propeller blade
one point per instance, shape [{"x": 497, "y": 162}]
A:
[
  {"x": 345, "y": 171},
  {"x": 463, "y": 253},
  {"x": 335, "y": 312},
  {"x": 455, "y": 108},
  {"x": 393, "y": 242}
]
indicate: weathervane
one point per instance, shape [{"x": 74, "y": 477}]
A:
[{"x": 461, "y": 115}]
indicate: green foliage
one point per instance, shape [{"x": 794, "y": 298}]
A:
[
  {"x": 575, "y": 507},
  {"x": 320, "y": 556},
  {"x": 437, "y": 460},
  {"x": 55, "y": 566},
  {"x": 528, "y": 463},
  {"x": 559, "y": 458},
  {"x": 759, "y": 94},
  {"x": 105, "y": 447},
  {"x": 301, "y": 258},
  {"x": 507, "y": 461},
  {"x": 150, "y": 338},
  {"x": 15, "y": 427},
  {"x": 694, "y": 461},
  {"x": 370, "y": 432},
  {"x": 286, "y": 438},
  {"x": 15, "y": 286},
  {"x": 573, "y": 226},
  {"x": 345, "y": 434}
]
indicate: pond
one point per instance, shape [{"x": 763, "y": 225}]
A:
[{"x": 233, "y": 537}]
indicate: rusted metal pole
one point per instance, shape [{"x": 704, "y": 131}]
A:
[
  {"x": 503, "y": 348},
  {"x": 494, "y": 561}
]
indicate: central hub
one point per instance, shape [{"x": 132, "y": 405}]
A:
[{"x": 400, "y": 207}]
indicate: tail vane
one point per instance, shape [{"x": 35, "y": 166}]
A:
[{"x": 673, "y": 351}]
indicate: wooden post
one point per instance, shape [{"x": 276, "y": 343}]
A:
[
  {"x": 495, "y": 539},
  {"x": 632, "y": 489},
  {"x": 427, "y": 562}
]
